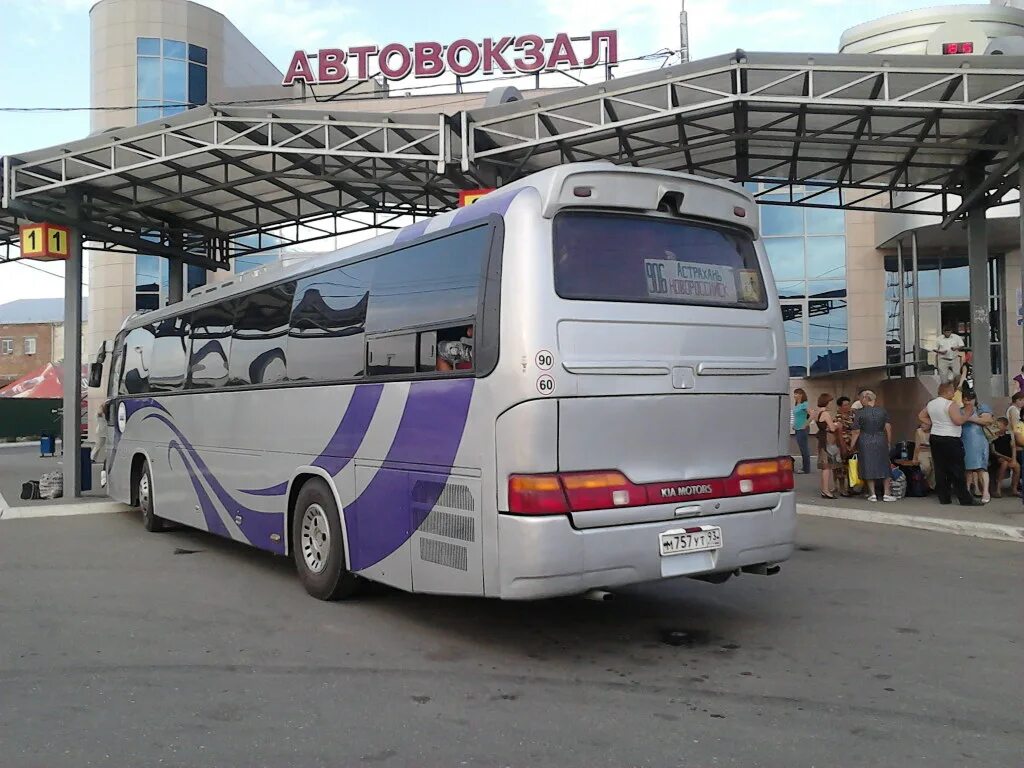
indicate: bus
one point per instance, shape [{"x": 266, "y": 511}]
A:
[{"x": 574, "y": 384}]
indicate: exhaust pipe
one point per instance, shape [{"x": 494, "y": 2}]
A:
[
  {"x": 762, "y": 569},
  {"x": 600, "y": 595}
]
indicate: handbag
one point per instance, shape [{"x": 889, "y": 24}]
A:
[{"x": 853, "y": 470}]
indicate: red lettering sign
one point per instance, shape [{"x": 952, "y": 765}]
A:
[{"x": 463, "y": 57}]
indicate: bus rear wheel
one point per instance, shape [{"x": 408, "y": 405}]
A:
[
  {"x": 144, "y": 494},
  {"x": 317, "y": 544}
]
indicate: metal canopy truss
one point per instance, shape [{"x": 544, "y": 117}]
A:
[
  {"x": 917, "y": 134},
  {"x": 829, "y": 131},
  {"x": 214, "y": 184}
]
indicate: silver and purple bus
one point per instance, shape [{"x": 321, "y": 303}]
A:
[{"x": 576, "y": 383}]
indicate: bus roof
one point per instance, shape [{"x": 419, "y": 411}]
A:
[{"x": 552, "y": 184}]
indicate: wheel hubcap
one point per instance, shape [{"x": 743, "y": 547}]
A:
[
  {"x": 315, "y": 538},
  {"x": 144, "y": 493}
]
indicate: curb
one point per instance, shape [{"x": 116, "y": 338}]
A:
[
  {"x": 62, "y": 510},
  {"x": 977, "y": 529}
]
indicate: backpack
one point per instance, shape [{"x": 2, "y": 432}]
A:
[{"x": 917, "y": 483}]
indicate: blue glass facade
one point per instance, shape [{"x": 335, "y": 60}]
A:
[
  {"x": 807, "y": 251},
  {"x": 170, "y": 77}
]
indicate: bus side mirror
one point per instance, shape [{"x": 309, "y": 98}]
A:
[{"x": 95, "y": 375}]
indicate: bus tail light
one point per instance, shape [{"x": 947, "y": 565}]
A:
[
  {"x": 536, "y": 495},
  {"x": 601, "y": 490},
  {"x": 763, "y": 476},
  {"x": 559, "y": 494}
]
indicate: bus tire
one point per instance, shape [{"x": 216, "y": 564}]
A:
[
  {"x": 144, "y": 495},
  {"x": 317, "y": 544}
]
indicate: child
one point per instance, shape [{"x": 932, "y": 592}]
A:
[
  {"x": 923, "y": 453},
  {"x": 1003, "y": 455}
]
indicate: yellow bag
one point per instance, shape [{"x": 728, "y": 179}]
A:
[{"x": 852, "y": 473}]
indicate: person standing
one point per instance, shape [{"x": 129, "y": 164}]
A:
[
  {"x": 947, "y": 354},
  {"x": 844, "y": 418},
  {"x": 923, "y": 454},
  {"x": 945, "y": 420},
  {"x": 1019, "y": 380},
  {"x": 872, "y": 434},
  {"x": 801, "y": 427},
  {"x": 976, "y": 446},
  {"x": 828, "y": 447}
]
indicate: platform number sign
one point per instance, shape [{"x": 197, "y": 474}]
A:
[
  {"x": 45, "y": 242},
  {"x": 470, "y": 196}
]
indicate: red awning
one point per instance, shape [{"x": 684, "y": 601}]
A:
[{"x": 44, "y": 383}]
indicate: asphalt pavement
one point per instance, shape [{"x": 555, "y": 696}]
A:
[{"x": 875, "y": 646}]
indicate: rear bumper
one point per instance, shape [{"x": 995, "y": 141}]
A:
[{"x": 546, "y": 556}]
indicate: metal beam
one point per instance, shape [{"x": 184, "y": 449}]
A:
[
  {"x": 105, "y": 234},
  {"x": 995, "y": 177}
]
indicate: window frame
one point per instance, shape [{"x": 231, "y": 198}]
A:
[
  {"x": 7, "y": 346},
  {"x": 35, "y": 345},
  {"x": 486, "y": 325}
]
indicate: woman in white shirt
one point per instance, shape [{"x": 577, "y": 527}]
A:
[{"x": 946, "y": 420}]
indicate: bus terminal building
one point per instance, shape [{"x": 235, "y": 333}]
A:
[{"x": 887, "y": 173}]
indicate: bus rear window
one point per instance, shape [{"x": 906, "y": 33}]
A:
[{"x": 612, "y": 257}]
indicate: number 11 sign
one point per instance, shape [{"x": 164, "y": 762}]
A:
[{"x": 44, "y": 242}]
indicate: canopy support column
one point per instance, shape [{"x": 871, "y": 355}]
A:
[
  {"x": 918, "y": 357},
  {"x": 1020, "y": 239},
  {"x": 176, "y": 274},
  {"x": 72, "y": 426},
  {"x": 977, "y": 259},
  {"x": 900, "y": 271}
]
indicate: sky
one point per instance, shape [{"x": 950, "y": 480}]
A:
[{"x": 44, "y": 59}]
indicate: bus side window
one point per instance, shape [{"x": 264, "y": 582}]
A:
[
  {"x": 389, "y": 355},
  {"x": 258, "y": 347},
  {"x": 325, "y": 341},
  {"x": 211, "y": 343},
  {"x": 170, "y": 354},
  {"x": 138, "y": 354}
]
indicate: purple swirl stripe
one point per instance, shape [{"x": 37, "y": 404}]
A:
[
  {"x": 381, "y": 519},
  {"x": 257, "y": 527}
]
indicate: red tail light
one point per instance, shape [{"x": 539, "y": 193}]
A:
[
  {"x": 764, "y": 476},
  {"x": 559, "y": 494},
  {"x": 536, "y": 495},
  {"x": 601, "y": 490}
]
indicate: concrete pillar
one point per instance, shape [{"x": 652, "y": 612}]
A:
[
  {"x": 72, "y": 434},
  {"x": 977, "y": 258}
]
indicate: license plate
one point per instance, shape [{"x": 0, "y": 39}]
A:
[{"x": 682, "y": 542}]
